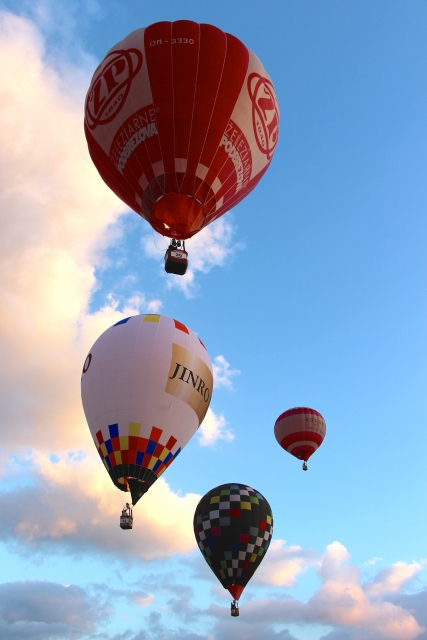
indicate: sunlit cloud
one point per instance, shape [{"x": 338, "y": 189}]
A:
[
  {"x": 214, "y": 428},
  {"x": 392, "y": 579},
  {"x": 57, "y": 219},
  {"x": 282, "y": 565},
  {"x": 71, "y": 504},
  {"x": 342, "y": 601},
  {"x": 372, "y": 562},
  {"x": 214, "y": 246},
  {"x": 143, "y": 600},
  {"x": 223, "y": 373},
  {"x": 339, "y": 604}
]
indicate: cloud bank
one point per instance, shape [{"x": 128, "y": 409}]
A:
[
  {"x": 341, "y": 602},
  {"x": 71, "y": 505},
  {"x": 40, "y": 610},
  {"x": 57, "y": 217}
]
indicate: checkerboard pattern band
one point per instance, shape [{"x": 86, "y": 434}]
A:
[{"x": 127, "y": 455}]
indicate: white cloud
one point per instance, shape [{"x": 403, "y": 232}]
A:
[
  {"x": 282, "y": 565},
  {"x": 341, "y": 601},
  {"x": 57, "y": 216},
  {"x": 339, "y": 604},
  {"x": 139, "y": 301},
  {"x": 392, "y": 579},
  {"x": 143, "y": 600},
  {"x": 72, "y": 504},
  {"x": 223, "y": 374},
  {"x": 213, "y": 428},
  {"x": 213, "y": 246},
  {"x": 372, "y": 561},
  {"x": 39, "y": 610}
]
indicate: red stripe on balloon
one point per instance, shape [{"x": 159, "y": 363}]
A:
[
  {"x": 303, "y": 452},
  {"x": 233, "y": 76},
  {"x": 297, "y": 411},
  {"x": 212, "y": 54},
  {"x": 158, "y": 55},
  {"x": 299, "y": 436},
  {"x": 185, "y": 55}
]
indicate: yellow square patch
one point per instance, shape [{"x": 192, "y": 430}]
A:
[
  {"x": 254, "y": 556},
  {"x": 118, "y": 456},
  {"x": 152, "y": 462},
  {"x": 134, "y": 428},
  {"x": 163, "y": 455},
  {"x": 245, "y": 505},
  {"x": 124, "y": 443},
  {"x": 214, "y": 499},
  {"x": 103, "y": 449},
  {"x": 151, "y": 317},
  {"x": 268, "y": 519}
]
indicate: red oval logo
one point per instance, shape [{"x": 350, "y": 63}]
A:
[
  {"x": 265, "y": 113},
  {"x": 111, "y": 85}
]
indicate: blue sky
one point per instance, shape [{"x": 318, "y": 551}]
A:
[{"x": 310, "y": 292}]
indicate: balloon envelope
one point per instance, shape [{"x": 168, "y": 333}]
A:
[
  {"x": 181, "y": 121},
  {"x": 146, "y": 387},
  {"x": 300, "y": 431},
  {"x": 233, "y": 525}
]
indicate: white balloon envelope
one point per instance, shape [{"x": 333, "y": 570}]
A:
[{"x": 146, "y": 386}]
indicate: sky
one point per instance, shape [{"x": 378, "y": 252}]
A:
[{"x": 311, "y": 292}]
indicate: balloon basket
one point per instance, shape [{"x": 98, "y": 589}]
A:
[
  {"x": 126, "y": 522},
  {"x": 176, "y": 258}
]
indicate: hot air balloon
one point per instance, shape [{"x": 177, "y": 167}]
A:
[
  {"x": 300, "y": 431},
  {"x": 181, "y": 121},
  {"x": 233, "y": 525},
  {"x": 146, "y": 386}
]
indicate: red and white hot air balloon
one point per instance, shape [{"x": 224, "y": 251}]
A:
[
  {"x": 300, "y": 432},
  {"x": 181, "y": 121}
]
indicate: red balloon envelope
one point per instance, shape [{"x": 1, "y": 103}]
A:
[
  {"x": 300, "y": 431},
  {"x": 181, "y": 122}
]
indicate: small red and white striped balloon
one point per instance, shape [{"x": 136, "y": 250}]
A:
[{"x": 300, "y": 432}]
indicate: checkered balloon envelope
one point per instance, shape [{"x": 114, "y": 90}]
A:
[{"x": 233, "y": 525}]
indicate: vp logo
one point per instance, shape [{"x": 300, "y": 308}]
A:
[
  {"x": 265, "y": 113},
  {"x": 111, "y": 85}
]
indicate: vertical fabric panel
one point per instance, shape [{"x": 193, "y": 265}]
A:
[
  {"x": 158, "y": 51},
  {"x": 185, "y": 60}
]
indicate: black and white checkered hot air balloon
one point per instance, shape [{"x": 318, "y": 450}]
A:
[{"x": 233, "y": 525}]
